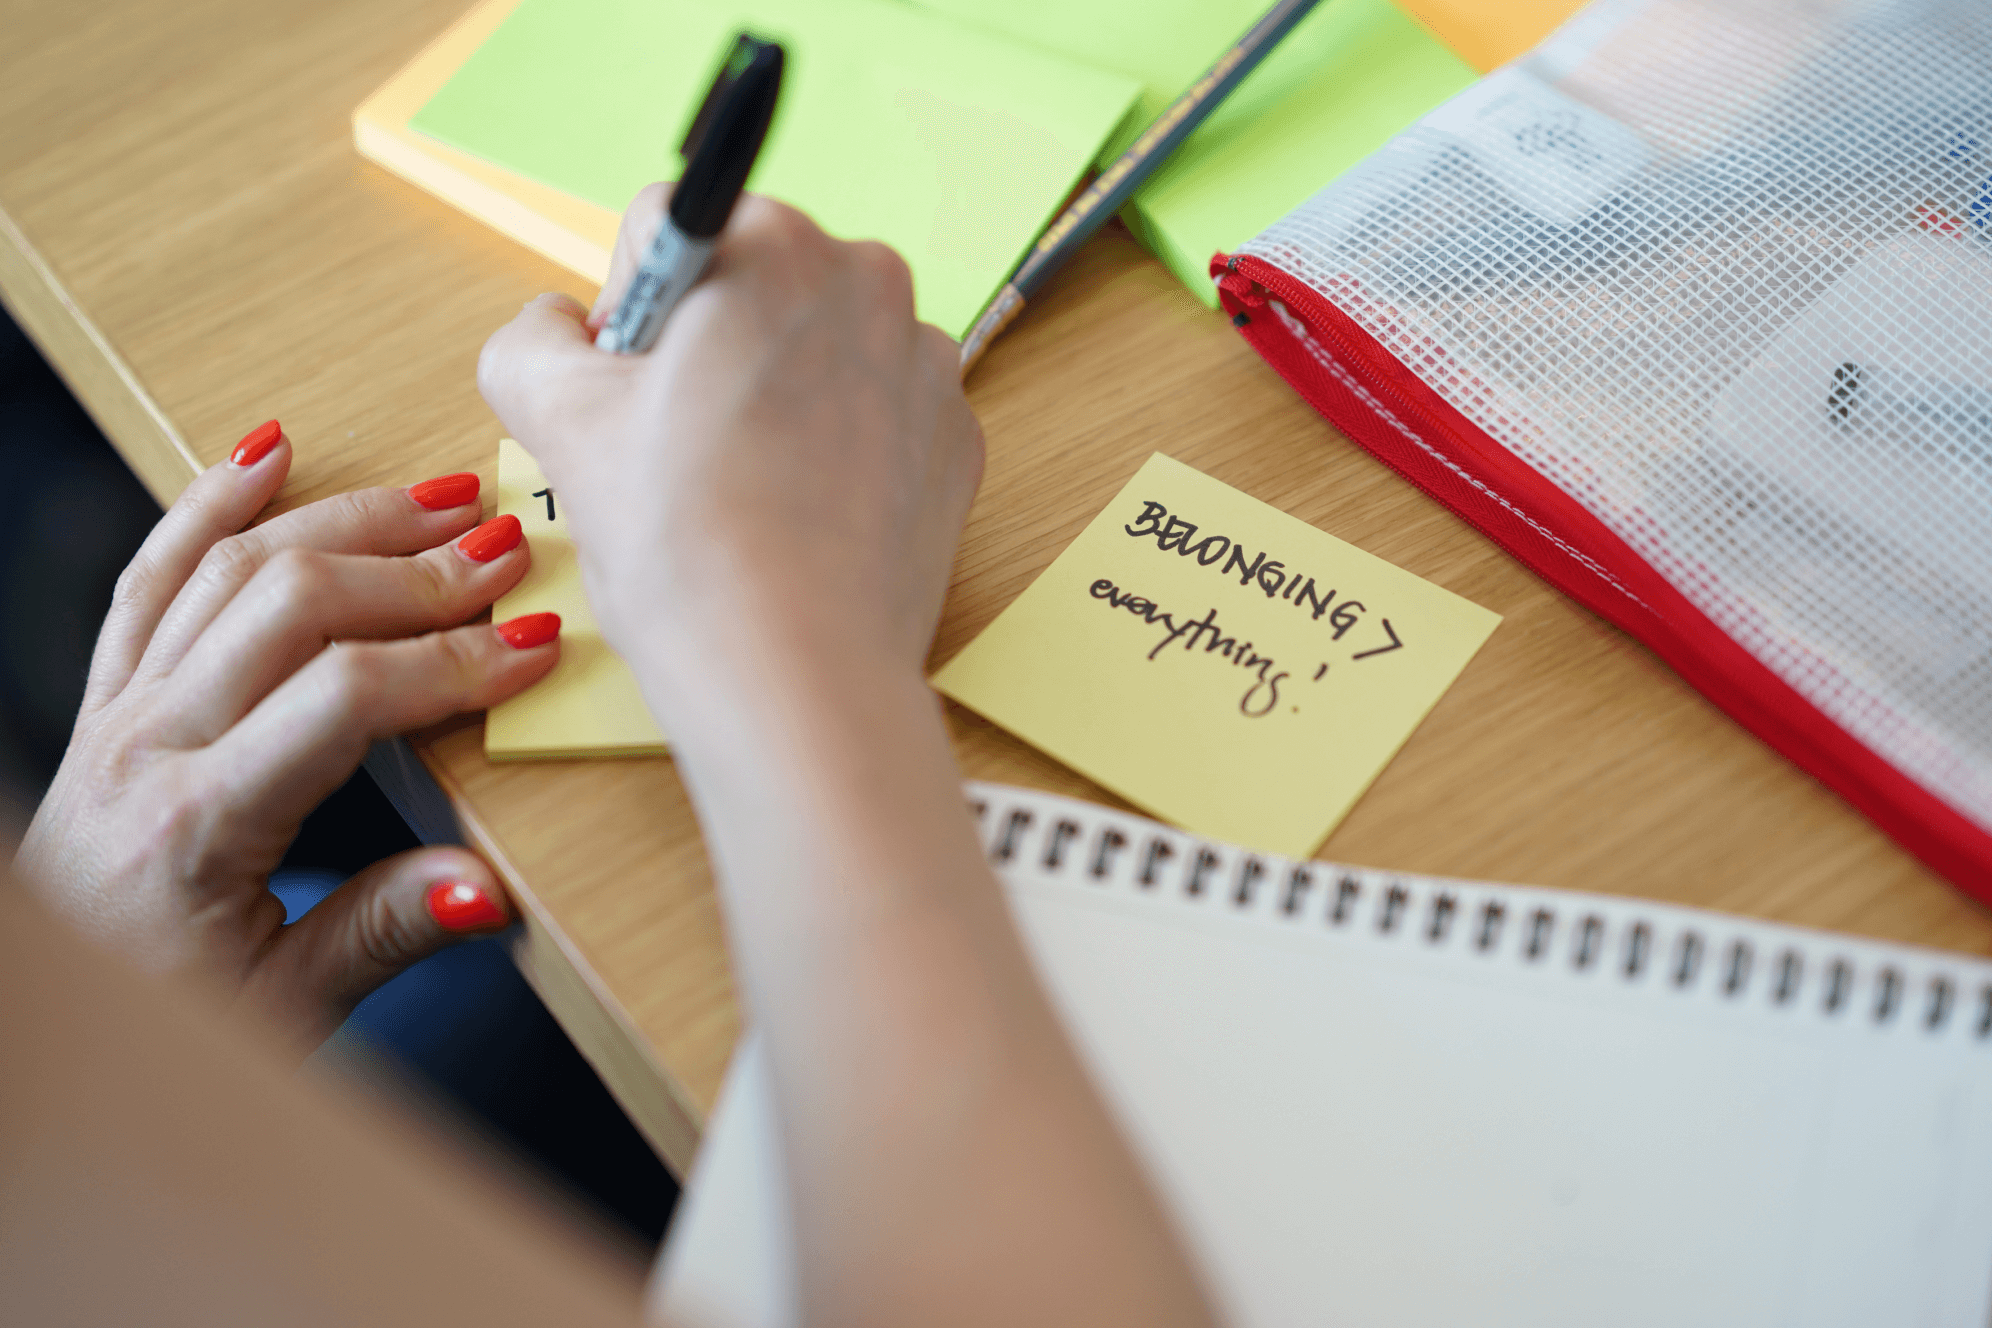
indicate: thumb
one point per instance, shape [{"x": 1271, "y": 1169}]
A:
[{"x": 400, "y": 910}]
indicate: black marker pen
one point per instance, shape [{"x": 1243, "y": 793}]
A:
[{"x": 719, "y": 151}]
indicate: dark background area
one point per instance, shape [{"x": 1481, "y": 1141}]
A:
[{"x": 464, "y": 1029}]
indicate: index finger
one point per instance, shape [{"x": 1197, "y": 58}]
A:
[
  {"x": 221, "y": 500},
  {"x": 527, "y": 367},
  {"x": 382, "y": 522},
  {"x": 640, "y": 221}
]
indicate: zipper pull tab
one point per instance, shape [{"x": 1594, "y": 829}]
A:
[{"x": 1237, "y": 292}]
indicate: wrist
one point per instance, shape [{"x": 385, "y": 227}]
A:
[
  {"x": 803, "y": 745},
  {"x": 754, "y": 674}
]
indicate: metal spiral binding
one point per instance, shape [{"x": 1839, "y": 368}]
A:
[{"x": 1149, "y": 853}]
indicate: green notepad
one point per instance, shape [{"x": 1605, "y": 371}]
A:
[
  {"x": 953, "y": 146},
  {"x": 1351, "y": 75}
]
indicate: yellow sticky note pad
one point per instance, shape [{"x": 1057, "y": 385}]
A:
[
  {"x": 589, "y": 705},
  {"x": 1218, "y": 662}
]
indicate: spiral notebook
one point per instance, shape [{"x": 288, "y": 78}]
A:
[{"x": 1380, "y": 1099}]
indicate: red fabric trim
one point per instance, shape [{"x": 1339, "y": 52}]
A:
[{"x": 1452, "y": 459}]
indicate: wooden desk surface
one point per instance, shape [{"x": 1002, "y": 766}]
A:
[{"x": 187, "y": 232}]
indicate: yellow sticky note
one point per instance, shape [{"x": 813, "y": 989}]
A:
[
  {"x": 1218, "y": 662},
  {"x": 589, "y": 705}
]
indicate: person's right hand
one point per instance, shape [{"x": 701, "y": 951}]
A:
[
  {"x": 767, "y": 506},
  {"x": 794, "y": 456}
]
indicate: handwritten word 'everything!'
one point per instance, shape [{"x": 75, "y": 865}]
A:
[
  {"x": 1264, "y": 693},
  {"x": 1172, "y": 533}
]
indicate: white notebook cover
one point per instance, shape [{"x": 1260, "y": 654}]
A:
[{"x": 1380, "y": 1099}]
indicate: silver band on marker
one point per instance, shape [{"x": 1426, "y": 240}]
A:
[{"x": 671, "y": 267}]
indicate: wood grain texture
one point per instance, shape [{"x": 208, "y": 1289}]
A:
[
  {"x": 96, "y": 374},
  {"x": 186, "y": 174}
]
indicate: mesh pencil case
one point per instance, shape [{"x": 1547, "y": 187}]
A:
[{"x": 1690, "y": 310}]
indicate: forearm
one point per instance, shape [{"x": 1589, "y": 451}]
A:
[
  {"x": 948, "y": 1160},
  {"x": 772, "y": 499}
]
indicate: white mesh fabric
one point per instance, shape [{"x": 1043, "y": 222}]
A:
[{"x": 1722, "y": 271}]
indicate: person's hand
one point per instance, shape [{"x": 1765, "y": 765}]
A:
[
  {"x": 767, "y": 506},
  {"x": 793, "y": 460},
  {"x": 238, "y": 680}
]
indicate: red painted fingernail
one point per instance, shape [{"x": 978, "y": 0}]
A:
[
  {"x": 461, "y": 906},
  {"x": 445, "y": 491},
  {"x": 529, "y": 630},
  {"x": 256, "y": 444},
  {"x": 498, "y": 535}
]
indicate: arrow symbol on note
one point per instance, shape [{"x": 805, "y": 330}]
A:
[{"x": 1395, "y": 644}]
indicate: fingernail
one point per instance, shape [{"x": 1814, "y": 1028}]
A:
[
  {"x": 256, "y": 444},
  {"x": 445, "y": 491},
  {"x": 498, "y": 535},
  {"x": 529, "y": 630},
  {"x": 461, "y": 906}
]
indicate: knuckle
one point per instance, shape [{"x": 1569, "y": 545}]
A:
[
  {"x": 355, "y": 672},
  {"x": 492, "y": 364},
  {"x": 231, "y": 561},
  {"x": 641, "y": 220},
  {"x": 114, "y": 763},
  {"x": 515, "y": 376},
  {"x": 199, "y": 508},
  {"x": 298, "y": 578},
  {"x": 880, "y": 259},
  {"x": 380, "y": 932},
  {"x": 134, "y": 584},
  {"x": 777, "y": 223},
  {"x": 886, "y": 267},
  {"x": 942, "y": 351},
  {"x": 884, "y": 287},
  {"x": 435, "y": 583},
  {"x": 459, "y": 659},
  {"x": 177, "y": 828},
  {"x": 360, "y": 510},
  {"x": 795, "y": 225},
  {"x": 375, "y": 517},
  {"x": 650, "y": 200}
]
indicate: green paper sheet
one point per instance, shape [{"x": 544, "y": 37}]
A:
[
  {"x": 953, "y": 146},
  {"x": 1349, "y": 77}
]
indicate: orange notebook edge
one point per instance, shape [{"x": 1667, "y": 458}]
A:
[
  {"x": 574, "y": 233},
  {"x": 1488, "y": 36}
]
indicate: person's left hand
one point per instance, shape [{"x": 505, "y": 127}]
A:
[{"x": 238, "y": 680}]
